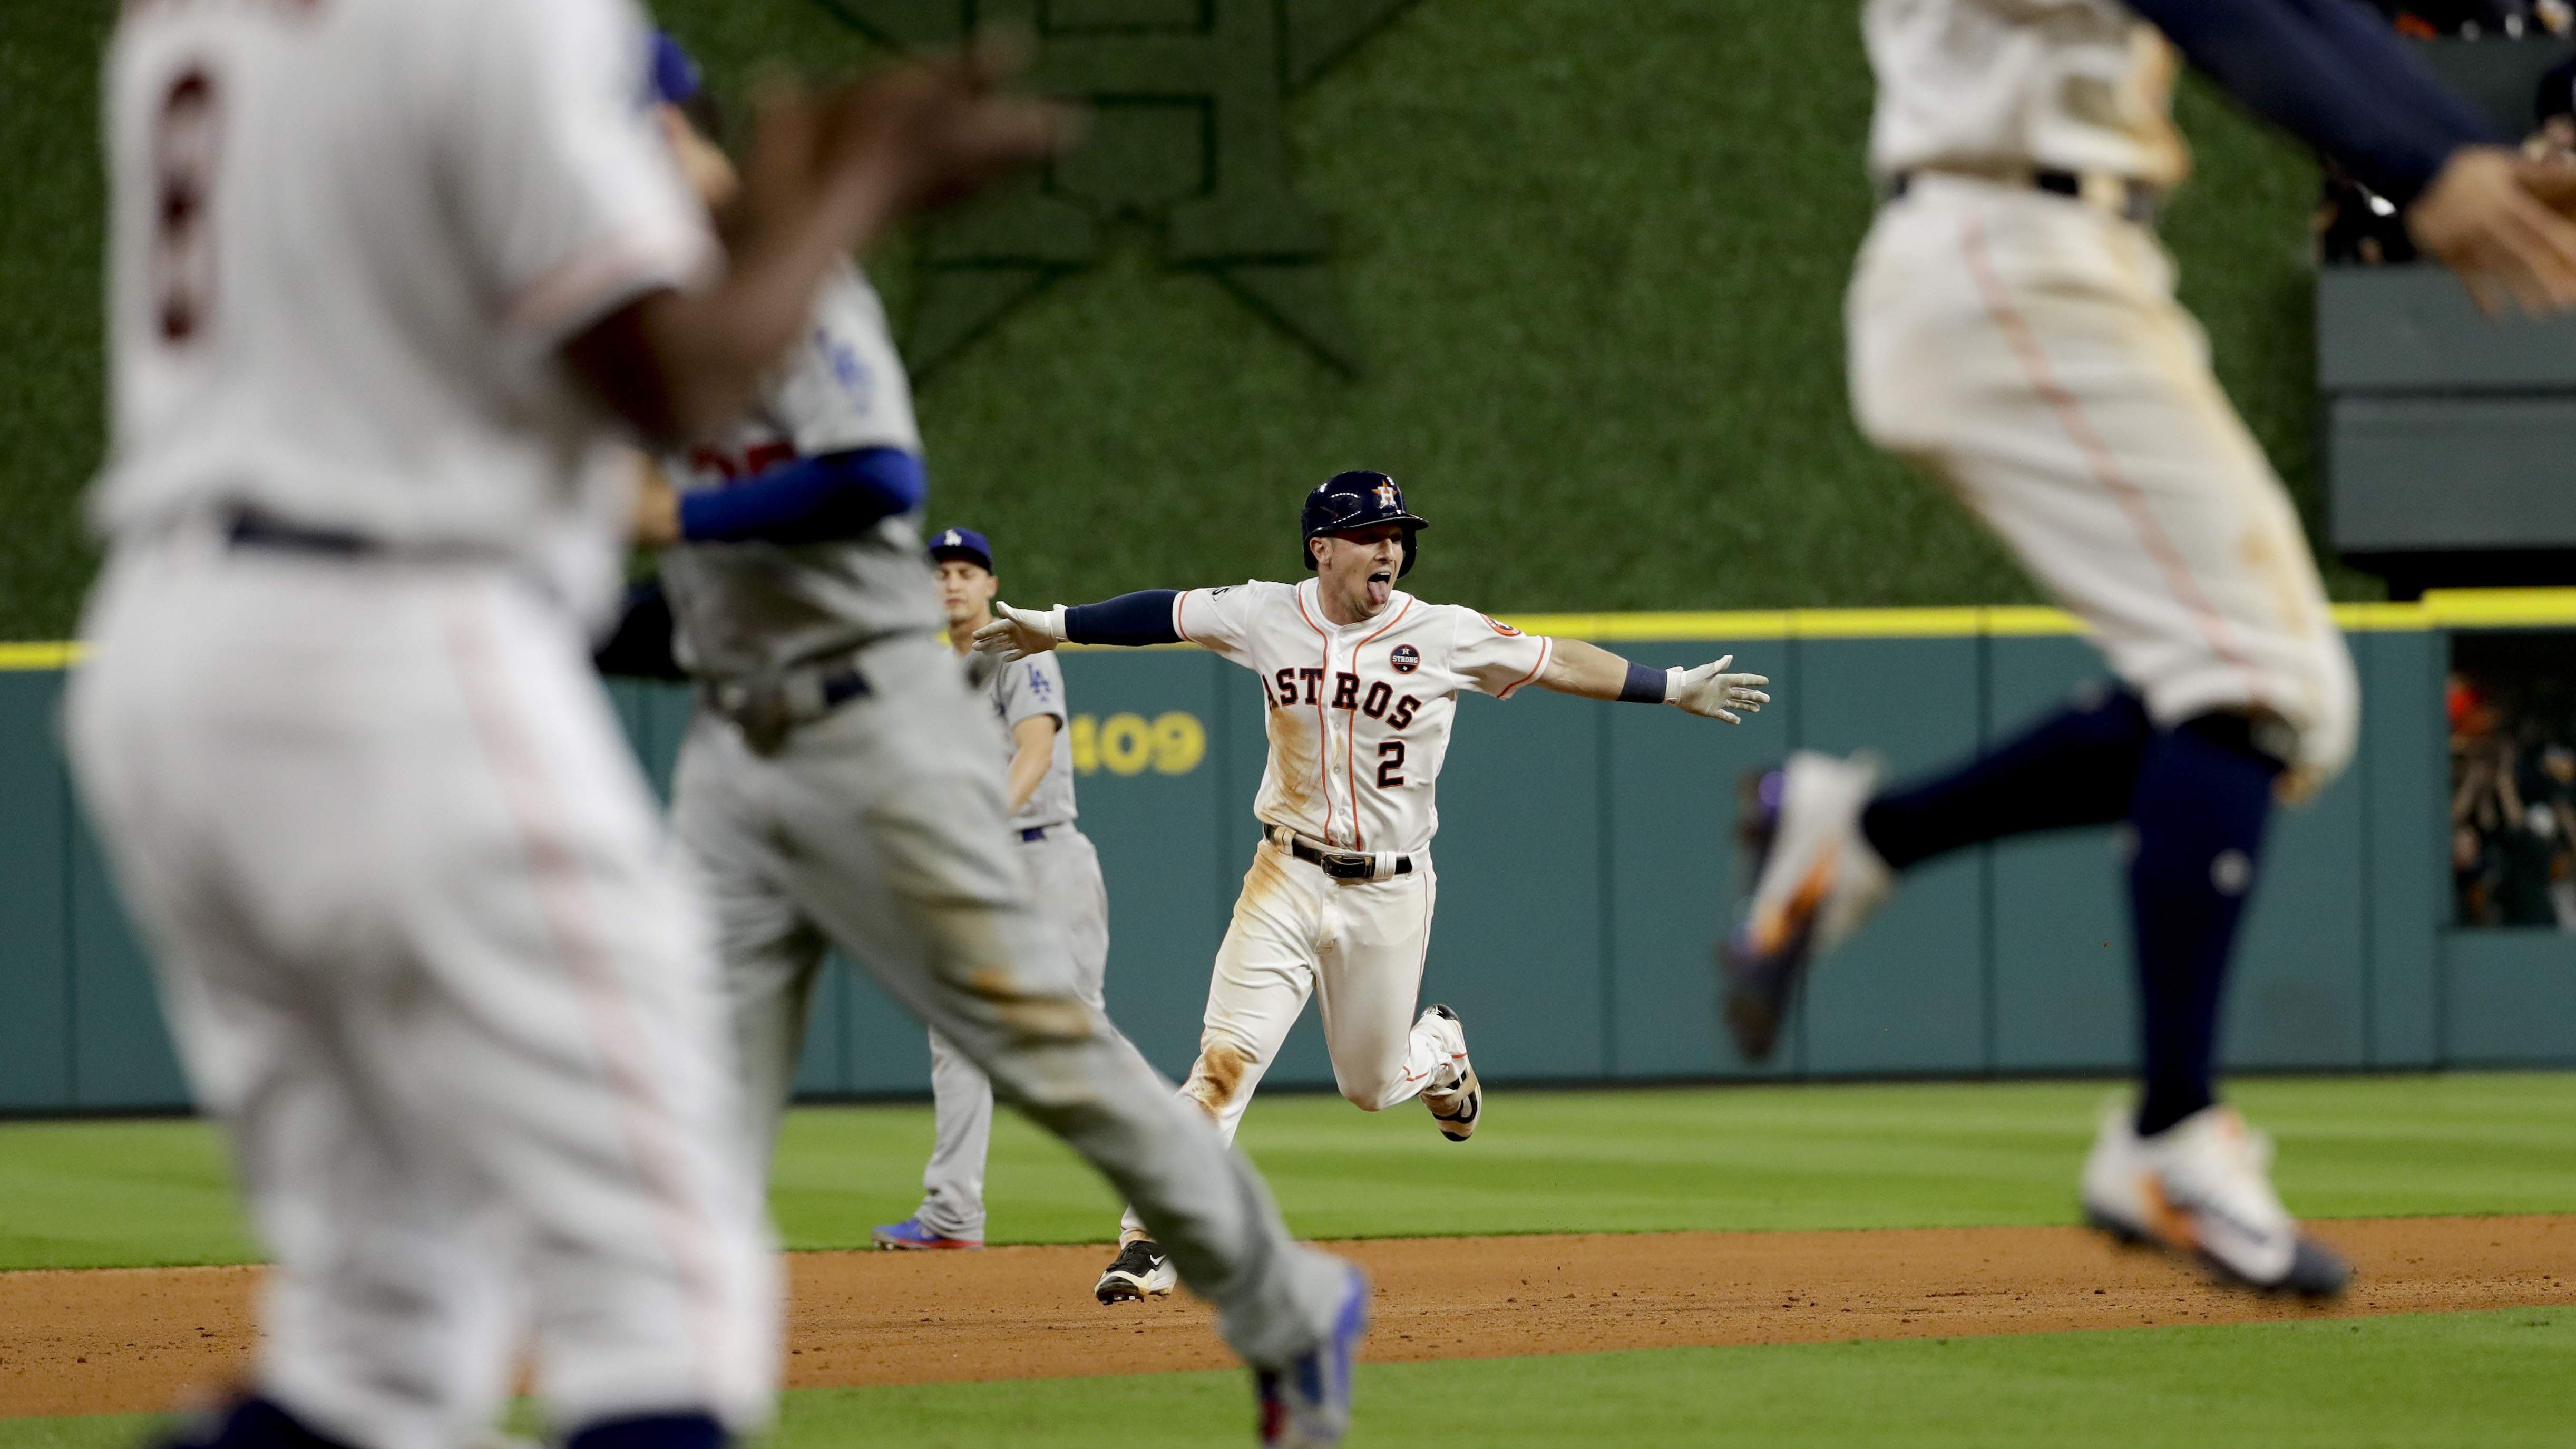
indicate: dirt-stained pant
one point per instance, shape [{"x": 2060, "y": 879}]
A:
[
  {"x": 1357, "y": 946},
  {"x": 424, "y": 953},
  {"x": 880, "y": 829},
  {"x": 1064, "y": 875},
  {"x": 2026, "y": 349}
]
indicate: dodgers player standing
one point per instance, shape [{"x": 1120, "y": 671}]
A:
[
  {"x": 2013, "y": 330},
  {"x": 1361, "y": 681},
  {"x": 374, "y": 267},
  {"x": 838, "y": 786},
  {"x": 1028, "y": 702}
]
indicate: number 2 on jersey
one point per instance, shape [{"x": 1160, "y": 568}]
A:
[
  {"x": 187, "y": 139},
  {"x": 1390, "y": 764}
]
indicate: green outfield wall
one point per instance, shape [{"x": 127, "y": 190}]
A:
[
  {"x": 1586, "y": 260},
  {"x": 1583, "y": 871}
]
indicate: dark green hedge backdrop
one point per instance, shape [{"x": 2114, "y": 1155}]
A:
[{"x": 1593, "y": 254}]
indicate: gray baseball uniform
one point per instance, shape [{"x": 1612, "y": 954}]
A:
[
  {"x": 877, "y": 825},
  {"x": 1064, "y": 872}
]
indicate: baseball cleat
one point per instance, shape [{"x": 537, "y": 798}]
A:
[
  {"x": 909, "y": 1236},
  {"x": 2203, "y": 1188},
  {"x": 1815, "y": 880},
  {"x": 1142, "y": 1270},
  {"x": 1307, "y": 1405},
  {"x": 1456, "y": 1106}
]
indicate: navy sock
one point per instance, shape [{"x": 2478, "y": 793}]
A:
[
  {"x": 2204, "y": 795},
  {"x": 252, "y": 1423},
  {"x": 2077, "y": 767},
  {"x": 650, "y": 1431}
]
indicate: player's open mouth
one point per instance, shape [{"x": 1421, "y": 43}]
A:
[{"x": 1381, "y": 587}]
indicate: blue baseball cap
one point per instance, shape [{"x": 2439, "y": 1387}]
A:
[
  {"x": 675, "y": 76},
  {"x": 963, "y": 543}
]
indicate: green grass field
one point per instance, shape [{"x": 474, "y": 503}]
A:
[
  {"x": 99, "y": 1194},
  {"x": 2493, "y": 1380},
  {"x": 93, "y": 1193}
]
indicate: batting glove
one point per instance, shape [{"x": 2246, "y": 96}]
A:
[
  {"x": 1019, "y": 633},
  {"x": 1709, "y": 690}
]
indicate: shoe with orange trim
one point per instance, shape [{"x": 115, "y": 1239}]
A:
[
  {"x": 2202, "y": 1188},
  {"x": 1815, "y": 880}
]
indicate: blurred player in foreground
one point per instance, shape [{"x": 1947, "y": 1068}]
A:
[
  {"x": 2013, "y": 331},
  {"x": 1028, "y": 704},
  {"x": 839, "y": 787},
  {"x": 1362, "y": 684},
  {"x": 386, "y": 279}
]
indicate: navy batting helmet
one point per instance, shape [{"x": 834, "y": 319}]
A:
[{"x": 1361, "y": 498}]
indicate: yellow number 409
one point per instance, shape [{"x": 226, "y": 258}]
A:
[{"x": 1173, "y": 743}]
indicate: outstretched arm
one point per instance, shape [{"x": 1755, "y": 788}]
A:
[
  {"x": 1144, "y": 617},
  {"x": 2334, "y": 75},
  {"x": 811, "y": 500},
  {"x": 1574, "y": 667}
]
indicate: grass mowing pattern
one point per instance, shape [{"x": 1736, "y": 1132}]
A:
[
  {"x": 1881, "y": 1155},
  {"x": 2496, "y": 1380},
  {"x": 1596, "y": 254}
]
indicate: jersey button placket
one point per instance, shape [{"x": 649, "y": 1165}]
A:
[{"x": 1337, "y": 744}]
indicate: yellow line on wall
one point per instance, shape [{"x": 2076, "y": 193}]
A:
[
  {"x": 38, "y": 656},
  {"x": 2440, "y": 609}
]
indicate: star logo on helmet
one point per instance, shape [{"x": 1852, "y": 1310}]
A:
[{"x": 1386, "y": 495}]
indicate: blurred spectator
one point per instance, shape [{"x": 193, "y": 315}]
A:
[
  {"x": 2512, "y": 714},
  {"x": 2356, "y": 226},
  {"x": 2477, "y": 19}
]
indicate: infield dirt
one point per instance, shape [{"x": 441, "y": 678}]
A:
[{"x": 138, "y": 1339}]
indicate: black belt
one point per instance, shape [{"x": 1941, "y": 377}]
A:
[
  {"x": 1034, "y": 832},
  {"x": 768, "y": 710},
  {"x": 258, "y": 530},
  {"x": 1339, "y": 864},
  {"x": 2138, "y": 203}
]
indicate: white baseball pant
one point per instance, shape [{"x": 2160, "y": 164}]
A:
[
  {"x": 2026, "y": 349},
  {"x": 424, "y": 955},
  {"x": 880, "y": 828},
  {"x": 1064, "y": 876},
  {"x": 1357, "y": 947}
]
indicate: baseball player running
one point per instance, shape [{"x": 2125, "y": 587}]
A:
[
  {"x": 839, "y": 786},
  {"x": 384, "y": 277},
  {"x": 1027, "y": 698},
  {"x": 1361, "y": 681},
  {"x": 2012, "y": 329}
]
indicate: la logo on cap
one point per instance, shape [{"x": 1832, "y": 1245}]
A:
[{"x": 950, "y": 539}]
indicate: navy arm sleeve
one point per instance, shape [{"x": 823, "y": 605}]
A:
[
  {"x": 2333, "y": 74},
  {"x": 1138, "y": 618},
  {"x": 811, "y": 500}
]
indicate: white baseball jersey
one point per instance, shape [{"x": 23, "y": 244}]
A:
[
  {"x": 1359, "y": 713},
  {"x": 750, "y": 608},
  {"x": 348, "y": 237},
  {"x": 1991, "y": 85}
]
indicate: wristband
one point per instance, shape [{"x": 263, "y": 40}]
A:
[{"x": 1645, "y": 686}]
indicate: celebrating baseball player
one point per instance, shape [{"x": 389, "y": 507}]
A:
[
  {"x": 385, "y": 276},
  {"x": 2013, "y": 330},
  {"x": 1362, "y": 681},
  {"x": 839, "y": 786},
  {"x": 1028, "y": 703}
]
